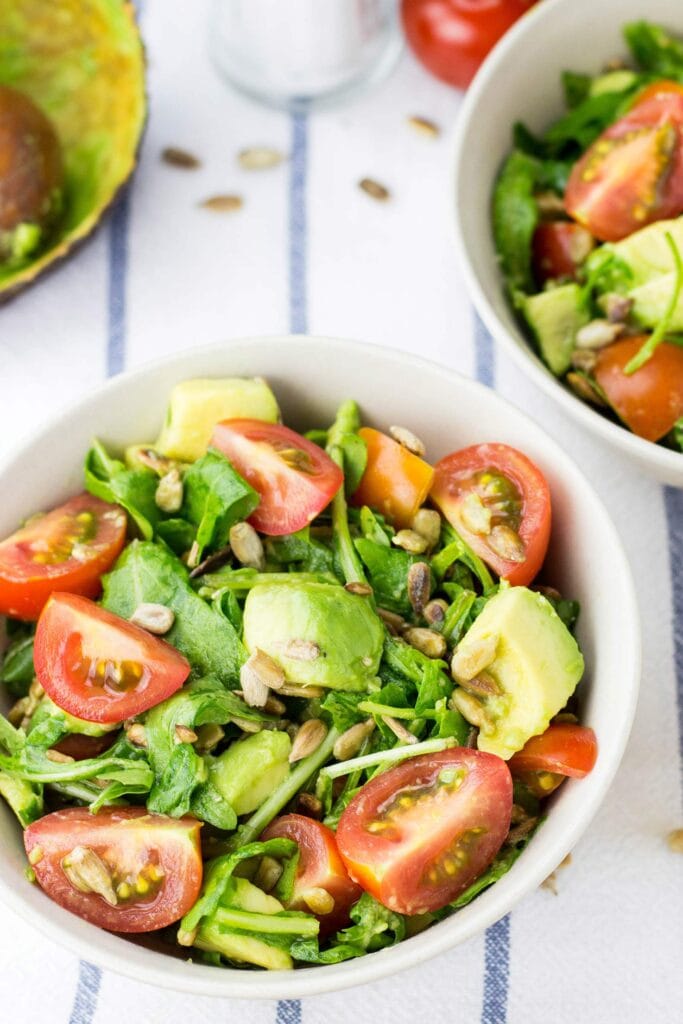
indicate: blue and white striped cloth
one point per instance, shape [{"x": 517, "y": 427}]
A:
[{"x": 311, "y": 252}]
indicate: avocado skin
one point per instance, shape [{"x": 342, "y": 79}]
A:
[{"x": 343, "y": 627}]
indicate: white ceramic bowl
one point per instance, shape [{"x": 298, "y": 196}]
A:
[
  {"x": 520, "y": 81},
  {"x": 310, "y": 376}
]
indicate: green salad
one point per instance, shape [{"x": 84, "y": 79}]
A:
[
  {"x": 588, "y": 226},
  {"x": 284, "y": 699}
]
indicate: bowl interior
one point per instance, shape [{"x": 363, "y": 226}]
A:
[
  {"x": 585, "y": 561},
  {"x": 520, "y": 81}
]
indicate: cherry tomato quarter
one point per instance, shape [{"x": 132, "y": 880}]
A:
[
  {"x": 67, "y": 549},
  {"x": 295, "y": 478},
  {"x": 499, "y": 502},
  {"x": 100, "y": 667},
  {"x": 418, "y": 834},
  {"x": 649, "y": 401},
  {"x": 559, "y": 248},
  {"x": 122, "y": 869},
  {"x": 320, "y": 867},
  {"x": 395, "y": 482},
  {"x": 563, "y": 749}
]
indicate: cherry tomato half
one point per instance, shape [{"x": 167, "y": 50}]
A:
[
  {"x": 564, "y": 749},
  {"x": 99, "y": 667},
  {"x": 559, "y": 248},
  {"x": 452, "y": 37},
  {"x": 69, "y": 548},
  {"x": 499, "y": 502},
  {"x": 148, "y": 866},
  {"x": 395, "y": 481},
  {"x": 294, "y": 477},
  {"x": 649, "y": 401},
  {"x": 418, "y": 834},
  {"x": 320, "y": 867},
  {"x": 82, "y": 748},
  {"x": 632, "y": 174}
]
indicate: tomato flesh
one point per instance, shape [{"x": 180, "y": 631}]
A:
[
  {"x": 649, "y": 401},
  {"x": 559, "y": 248},
  {"x": 68, "y": 549},
  {"x": 563, "y": 749},
  {"x": 154, "y": 864},
  {"x": 632, "y": 174},
  {"x": 99, "y": 667},
  {"x": 418, "y": 834},
  {"x": 395, "y": 482},
  {"x": 320, "y": 867},
  {"x": 295, "y": 478},
  {"x": 499, "y": 502},
  {"x": 452, "y": 37}
]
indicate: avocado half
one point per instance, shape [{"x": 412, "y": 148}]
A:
[{"x": 82, "y": 64}]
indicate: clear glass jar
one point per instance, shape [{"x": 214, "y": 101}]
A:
[{"x": 300, "y": 53}]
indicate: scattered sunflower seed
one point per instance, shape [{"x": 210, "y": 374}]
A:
[
  {"x": 471, "y": 709},
  {"x": 208, "y": 737},
  {"x": 424, "y": 126},
  {"x": 470, "y": 659},
  {"x": 259, "y": 158},
  {"x": 193, "y": 555},
  {"x": 549, "y": 203},
  {"x": 427, "y": 641},
  {"x": 155, "y": 618},
  {"x": 308, "y": 739},
  {"x": 419, "y": 586},
  {"x": 254, "y": 686},
  {"x": 435, "y": 611},
  {"x": 521, "y": 830},
  {"x": 87, "y": 872},
  {"x": 18, "y": 710},
  {"x": 357, "y": 587},
  {"x": 186, "y": 938},
  {"x": 410, "y": 541},
  {"x": 214, "y": 561},
  {"x": 183, "y": 734},
  {"x": 153, "y": 460},
  {"x": 582, "y": 387},
  {"x": 247, "y": 546},
  {"x": 507, "y": 543},
  {"x": 246, "y": 725},
  {"x": 374, "y": 189},
  {"x": 407, "y": 439},
  {"x": 584, "y": 359},
  {"x": 223, "y": 203},
  {"x": 274, "y": 706},
  {"x": 350, "y": 742},
  {"x": 427, "y": 522},
  {"x": 58, "y": 757},
  {"x": 169, "y": 493},
  {"x": 598, "y": 334},
  {"x": 617, "y": 307},
  {"x": 309, "y": 805},
  {"x": 177, "y": 157},
  {"x": 399, "y": 730},
  {"x": 136, "y": 735},
  {"x": 318, "y": 900},
  {"x": 301, "y": 650},
  {"x": 391, "y": 620},
  {"x": 675, "y": 840},
  {"x": 475, "y": 514},
  {"x": 309, "y": 692},
  {"x": 267, "y": 669},
  {"x": 483, "y": 685},
  {"x": 268, "y": 874}
]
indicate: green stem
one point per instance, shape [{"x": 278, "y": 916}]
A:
[
  {"x": 646, "y": 351},
  {"x": 235, "y": 580},
  {"x": 394, "y": 755},
  {"x": 369, "y": 707},
  {"x": 345, "y": 423},
  {"x": 268, "y": 924}
]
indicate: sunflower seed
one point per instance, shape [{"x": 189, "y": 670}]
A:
[
  {"x": 214, "y": 561},
  {"x": 435, "y": 611},
  {"x": 507, "y": 543},
  {"x": 419, "y": 585},
  {"x": 58, "y": 758},
  {"x": 254, "y": 688},
  {"x": 374, "y": 189},
  {"x": 183, "y": 734},
  {"x": 274, "y": 706},
  {"x": 471, "y": 710},
  {"x": 424, "y": 126},
  {"x": 169, "y": 493},
  {"x": 357, "y": 587},
  {"x": 208, "y": 737},
  {"x": 318, "y": 900},
  {"x": 521, "y": 830},
  {"x": 186, "y": 938},
  {"x": 549, "y": 203},
  {"x": 136, "y": 735},
  {"x": 266, "y": 668},
  {"x": 177, "y": 157},
  {"x": 309, "y": 805},
  {"x": 301, "y": 650},
  {"x": 87, "y": 872},
  {"x": 391, "y": 620},
  {"x": 268, "y": 874},
  {"x": 223, "y": 203},
  {"x": 584, "y": 359},
  {"x": 308, "y": 739},
  {"x": 475, "y": 514},
  {"x": 410, "y": 541},
  {"x": 155, "y": 618},
  {"x": 675, "y": 840},
  {"x": 583, "y": 388},
  {"x": 429, "y": 643},
  {"x": 309, "y": 692},
  {"x": 350, "y": 742},
  {"x": 407, "y": 439},
  {"x": 18, "y": 710},
  {"x": 150, "y": 458},
  {"x": 247, "y": 546},
  {"x": 597, "y": 334},
  {"x": 470, "y": 659},
  {"x": 246, "y": 725},
  {"x": 483, "y": 685},
  {"x": 259, "y": 158},
  {"x": 399, "y": 730},
  {"x": 427, "y": 522}
]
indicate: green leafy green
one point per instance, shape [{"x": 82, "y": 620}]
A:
[
  {"x": 346, "y": 423},
  {"x": 375, "y": 927},
  {"x": 17, "y": 667},
  {"x": 301, "y": 550},
  {"x": 387, "y": 569},
  {"x": 655, "y": 49},
  {"x": 215, "y": 497},
  {"x": 134, "y": 489},
  {"x": 576, "y": 87},
  {"x": 515, "y": 216},
  {"x": 648, "y": 348}
]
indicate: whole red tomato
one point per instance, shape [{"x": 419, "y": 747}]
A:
[{"x": 452, "y": 37}]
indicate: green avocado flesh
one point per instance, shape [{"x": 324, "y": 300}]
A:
[
  {"x": 81, "y": 63},
  {"x": 319, "y": 633},
  {"x": 537, "y": 666},
  {"x": 248, "y": 771},
  {"x": 647, "y": 255},
  {"x": 245, "y": 948},
  {"x": 555, "y": 316}
]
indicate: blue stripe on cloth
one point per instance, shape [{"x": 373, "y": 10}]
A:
[
  {"x": 118, "y": 264},
  {"x": 87, "y": 991},
  {"x": 673, "y": 502},
  {"x": 497, "y": 941},
  {"x": 288, "y": 1012}
]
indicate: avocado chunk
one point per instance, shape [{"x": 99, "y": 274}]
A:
[
  {"x": 649, "y": 260},
  {"x": 80, "y": 65},
  {"x": 555, "y": 316},
  {"x": 47, "y": 709},
  {"x": 23, "y": 797},
  {"x": 319, "y": 633},
  {"x": 612, "y": 81},
  {"x": 196, "y": 406},
  {"x": 536, "y": 666},
  {"x": 249, "y": 770},
  {"x": 211, "y": 936}
]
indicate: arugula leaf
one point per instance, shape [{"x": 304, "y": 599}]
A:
[
  {"x": 388, "y": 573},
  {"x": 347, "y": 422},
  {"x": 654, "y": 49},
  {"x": 374, "y": 527},
  {"x": 500, "y": 866},
  {"x": 576, "y": 87},
  {"x": 515, "y": 216},
  {"x": 457, "y": 550},
  {"x": 134, "y": 489},
  {"x": 574, "y": 133},
  {"x": 215, "y": 497},
  {"x": 343, "y": 708},
  {"x": 147, "y": 572},
  {"x": 301, "y": 550},
  {"x": 17, "y": 670},
  {"x": 375, "y": 927},
  {"x": 178, "y": 534},
  {"x": 677, "y": 434}
]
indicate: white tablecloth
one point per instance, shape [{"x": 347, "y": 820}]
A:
[{"x": 309, "y": 251}]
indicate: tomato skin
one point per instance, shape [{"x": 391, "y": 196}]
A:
[
  {"x": 534, "y": 529},
  {"x": 418, "y": 858},
  {"x": 452, "y": 37},
  {"x": 320, "y": 866},
  {"x": 395, "y": 481},
  {"x": 559, "y": 248},
  {"x": 291, "y": 498},
  {"x": 81, "y": 747},
  {"x": 632, "y": 174},
  {"x": 26, "y": 583},
  {"x": 649, "y": 401},
  {"x": 74, "y": 634},
  {"x": 563, "y": 749},
  {"x": 127, "y": 839}
]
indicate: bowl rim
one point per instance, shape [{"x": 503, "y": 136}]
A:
[
  {"x": 663, "y": 461},
  {"x": 127, "y": 959}
]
